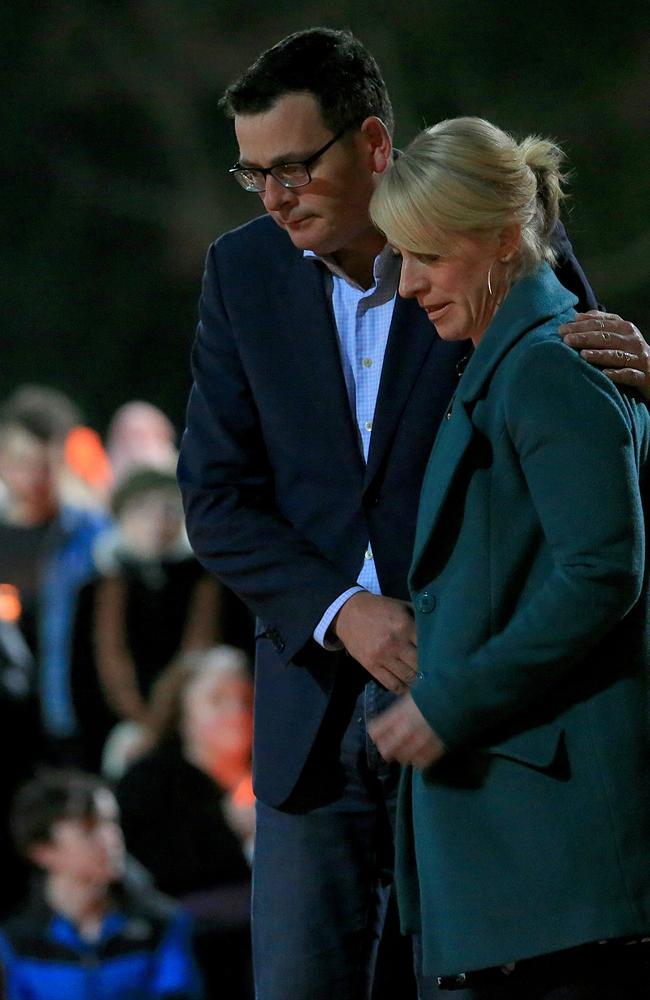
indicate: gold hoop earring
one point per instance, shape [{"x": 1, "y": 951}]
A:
[{"x": 489, "y": 282}]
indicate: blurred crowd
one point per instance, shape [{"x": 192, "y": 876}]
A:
[{"x": 125, "y": 693}]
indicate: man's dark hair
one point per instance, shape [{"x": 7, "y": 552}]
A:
[
  {"x": 332, "y": 65},
  {"x": 46, "y": 413},
  {"x": 48, "y": 798}
]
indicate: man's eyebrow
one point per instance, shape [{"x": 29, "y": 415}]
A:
[{"x": 277, "y": 161}]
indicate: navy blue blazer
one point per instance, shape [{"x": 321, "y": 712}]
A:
[{"x": 279, "y": 502}]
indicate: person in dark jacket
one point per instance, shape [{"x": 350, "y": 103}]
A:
[{"x": 187, "y": 808}]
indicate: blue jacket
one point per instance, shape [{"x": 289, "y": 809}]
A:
[
  {"x": 70, "y": 564},
  {"x": 144, "y": 952}
]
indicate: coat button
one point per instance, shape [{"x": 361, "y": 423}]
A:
[{"x": 425, "y": 602}]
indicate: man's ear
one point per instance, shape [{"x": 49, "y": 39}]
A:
[{"x": 379, "y": 143}]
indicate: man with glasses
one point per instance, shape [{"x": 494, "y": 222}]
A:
[{"x": 316, "y": 399}]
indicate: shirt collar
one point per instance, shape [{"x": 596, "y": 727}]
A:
[{"x": 385, "y": 269}]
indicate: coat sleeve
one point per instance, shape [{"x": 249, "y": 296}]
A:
[
  {"x": 227, "y": 482},
  {"x": 573, "y": 438}
]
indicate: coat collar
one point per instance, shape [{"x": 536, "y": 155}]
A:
[{"x": 532, "y": 301}]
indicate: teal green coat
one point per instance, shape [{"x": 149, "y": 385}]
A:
[{"x": 533, "y": 834}]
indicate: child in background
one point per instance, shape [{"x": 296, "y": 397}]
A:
[
  {"x": 89, "y": 930},
  {"x": 154, "y": 600}
]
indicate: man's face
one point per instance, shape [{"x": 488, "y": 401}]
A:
[
  {"x": 88, "y": 852},
  {"x": 331, "y": 212},
  {"x": 28, "y": 467}
]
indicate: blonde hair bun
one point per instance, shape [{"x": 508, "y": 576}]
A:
[{"x": 468, "y": 175}]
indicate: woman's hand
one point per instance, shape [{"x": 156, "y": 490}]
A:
[{"x": 402, "y": 733}]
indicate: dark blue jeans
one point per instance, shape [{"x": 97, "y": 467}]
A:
[{"x": 323, "y": 870}]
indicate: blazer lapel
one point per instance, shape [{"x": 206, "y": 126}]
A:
[
  {"x": 309, "y": 346},
  {"x": 410, "y": 340}
]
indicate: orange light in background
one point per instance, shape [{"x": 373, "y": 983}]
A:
[
  {"x": 10, "y": 607},
  {"x": 243, "y": 793},
  {"x": 85, "y": 456}
]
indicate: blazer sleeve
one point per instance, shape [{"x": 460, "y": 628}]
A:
[
  {"x": 573, "y": 437},
  {"x": 227, "y": 482},
  {"x": 569, "y": 271}
]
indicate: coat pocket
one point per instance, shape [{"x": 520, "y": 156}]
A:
[{"x": 542, "y": 747}]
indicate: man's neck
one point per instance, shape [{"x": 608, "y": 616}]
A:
[
  {"x": 358, "y": 261},
  {"x": 85, "y": 905}
]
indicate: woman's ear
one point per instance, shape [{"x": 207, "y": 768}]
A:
[
  {"x": 509, "y": 242},
  {"x": 379, "y": 143}
]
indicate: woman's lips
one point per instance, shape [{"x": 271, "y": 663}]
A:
[{"x": 436, "y": 313}]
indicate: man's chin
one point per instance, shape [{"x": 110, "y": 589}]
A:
[{"x": 303, "y": 234}]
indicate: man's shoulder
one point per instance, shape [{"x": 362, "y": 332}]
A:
[
  {"x": 255, "y": 236},
  {"x": 252, "y": 255}
]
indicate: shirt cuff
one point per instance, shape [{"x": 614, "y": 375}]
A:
[{"x": 320, "y": 632}]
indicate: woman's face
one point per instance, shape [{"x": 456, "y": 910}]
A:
[
  {"x": 453, "y": 288},
  {"x": 217, "y": 716}
]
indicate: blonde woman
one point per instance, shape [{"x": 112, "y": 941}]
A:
[{"x": 524, "y": 820}]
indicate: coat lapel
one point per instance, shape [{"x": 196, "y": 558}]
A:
[
  {"x": 454, "y": 438},
  {"x": 532, "y": 302}
]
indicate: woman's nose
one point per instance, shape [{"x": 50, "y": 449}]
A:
[{"x": 410, "y": 280}]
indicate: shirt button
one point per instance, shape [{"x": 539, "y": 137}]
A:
[
  {"x": 419, "y": 675},
  {"x": 368, "y": 553},
  {"x": 368, "y": 425},
  {"x": 366, "y": 362},
  {"x": 448, "y": 415},
  {"x": 425, "y": 602}
]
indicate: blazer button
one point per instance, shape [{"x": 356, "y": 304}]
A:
[{"x": 425, "y": 602}]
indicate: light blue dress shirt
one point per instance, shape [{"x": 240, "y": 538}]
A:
[{"x": 362, "y": 318}]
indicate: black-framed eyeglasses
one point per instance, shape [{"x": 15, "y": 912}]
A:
[{"x": 289, "y": 175}]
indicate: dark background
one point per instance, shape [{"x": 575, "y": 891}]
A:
[{"x": 115, "y": 152}]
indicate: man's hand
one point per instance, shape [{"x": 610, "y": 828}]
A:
[
  {"x": 402, "y": 733},
  {"x": 379, "y": 632},
  {"x": 612, "y": 344}
]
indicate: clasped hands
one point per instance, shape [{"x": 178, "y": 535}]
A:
[{"x": 379, "y": 632}]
